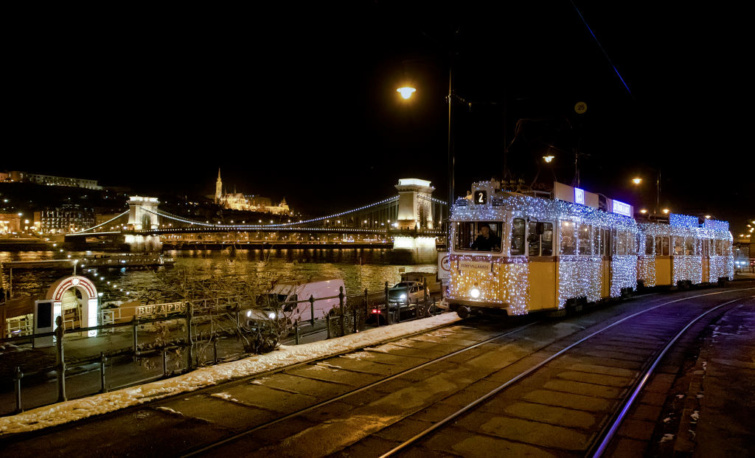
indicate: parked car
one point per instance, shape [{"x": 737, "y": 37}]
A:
[{"x": 405, "y": 293}]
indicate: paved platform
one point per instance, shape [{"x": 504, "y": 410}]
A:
[{"x": 719, "y": 415}]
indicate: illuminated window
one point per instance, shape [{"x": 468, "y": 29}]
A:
[
  {"x": 517, "y": 237},
  {"x": 473, "y": 236},
  {"x": 540, "y": 239},
  {"x": 689, "y": 246},
  {"x": 568, "y": 238},
  {"x": 662, "y": 246},
  {"x": 583, "y": 239}
]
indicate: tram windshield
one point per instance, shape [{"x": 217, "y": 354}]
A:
[{"x": 478, "y": 236}]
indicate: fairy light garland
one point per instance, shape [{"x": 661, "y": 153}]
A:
[
  {"x": 509, "y": 282},
  {"x": 688, "y": 266}
]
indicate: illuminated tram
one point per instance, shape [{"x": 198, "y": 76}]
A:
[
  {"x": 683, "y": 253},
  {"x": 516, "y": 253}
]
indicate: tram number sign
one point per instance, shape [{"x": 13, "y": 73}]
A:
[{"x": 480, "y": 197}]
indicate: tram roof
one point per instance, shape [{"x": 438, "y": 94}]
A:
[{"x": 503, "y": 203}]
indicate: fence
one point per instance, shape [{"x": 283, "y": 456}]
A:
[{"x": 185, "y": 339}]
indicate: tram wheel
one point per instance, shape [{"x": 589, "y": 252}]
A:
[{"x": 463, "y": 312}]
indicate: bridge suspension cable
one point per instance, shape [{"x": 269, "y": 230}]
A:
[
  {"x": 105, "y": 223},
  {"x": 281, "y": 225}
]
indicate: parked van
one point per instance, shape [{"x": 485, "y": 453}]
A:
[{"x": 282, "y": 300}]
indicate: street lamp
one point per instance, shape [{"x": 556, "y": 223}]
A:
[
  {"x": 638, "y": 180},
  {"x": 406, "y": 92}
]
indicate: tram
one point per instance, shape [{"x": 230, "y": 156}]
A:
[
  {"x": 684, "y": 253},
  {"x": 514, "y": 253}
]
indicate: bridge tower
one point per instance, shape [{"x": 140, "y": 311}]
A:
[
  {"x": 415, "y": 214},
  {"x": 143, "y": 217},
  {"x": 142, "y": 213},
  {"x": 415, "y": 210}
]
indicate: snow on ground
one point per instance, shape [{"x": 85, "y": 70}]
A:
[{"x": 78, "y": 409}]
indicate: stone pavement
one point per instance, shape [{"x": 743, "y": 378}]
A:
[{"x": 719, "y": 415}]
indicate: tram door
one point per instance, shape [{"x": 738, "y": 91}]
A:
[
  {"x": 542, "y": 265},
  {"x": 602, "y": 239},
  {"x": 663, "y": 260}
]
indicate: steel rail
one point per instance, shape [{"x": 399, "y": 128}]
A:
[
  {"x": 629, "y": 401},
  {"x": 353, "y": 392},
  {"x": 529, "y": 372}
]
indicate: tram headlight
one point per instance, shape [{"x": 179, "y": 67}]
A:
[
  {"x": 402, "y": 296},
  {"x": 474, "y": 292}
]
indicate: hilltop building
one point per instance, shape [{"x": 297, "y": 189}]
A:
[
  {"x": 48, "y": 180},
  {"x": 239, "y": 201}
]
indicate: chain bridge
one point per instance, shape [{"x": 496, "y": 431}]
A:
[{"x": 413, "y": 221}]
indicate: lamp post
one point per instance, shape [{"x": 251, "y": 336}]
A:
[
  {"x": 406, "y": 93},
  {"x": 638, "y": 180}
]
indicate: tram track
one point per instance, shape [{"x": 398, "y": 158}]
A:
[
  {"x": 611, "y": 425},
  {"x": 298, "y": 411},
  {"x": 358, "y": 390},
  {"x": 213, "y": 448}
]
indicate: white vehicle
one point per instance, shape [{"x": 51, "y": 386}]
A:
[
  {"x": 282, "y": 302},
  {"x": 430, "y": 280},
  {"x": 405, "y": 293}
]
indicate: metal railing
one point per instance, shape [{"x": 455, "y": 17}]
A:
[{"x": 190, "y": 344}]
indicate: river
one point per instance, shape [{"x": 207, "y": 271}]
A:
[{"x": 359, "y": 269}]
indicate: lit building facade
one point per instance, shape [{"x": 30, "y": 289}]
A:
[
  {"x": 9, "y": 223},
  {"x": 65, "y": 219},
  {"x": 49, "y": 180},
  {"x": 239, "y": 201}
]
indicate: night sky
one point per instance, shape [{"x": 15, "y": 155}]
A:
[{"x": 298, "y": 100}]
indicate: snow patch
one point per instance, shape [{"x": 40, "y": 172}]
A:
[{"x": 77, "y": 409}]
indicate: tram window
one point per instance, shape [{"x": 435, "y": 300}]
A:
[
  {"x": 540, "y": 239},
  {"x": 719, "y": 247},
  {"x": 533, "y": 238},
  {"x": 568, "y": 239},
  {"x": 517, "y": 237},
  {"x": 621, "y": 243},
  {"x": 678, "y": 246},
  {"x": 473, "y": 236},
  {"x": 547, "y": 238},
  {"x": 602, "y": 242},
  {"x": 689, "y": 246},
  {"x": 649, "y": 245},
  {"x": 583, "y": 242},
  {"x": 596, "y": 242},
  {"x": 663, "y": 246}
]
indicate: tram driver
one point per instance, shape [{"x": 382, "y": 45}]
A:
[{"x": 486, "y": 240}]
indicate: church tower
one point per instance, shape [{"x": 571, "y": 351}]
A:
[{"x": 219, "y": 189}]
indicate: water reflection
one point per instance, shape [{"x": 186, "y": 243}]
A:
[{"x": 359, "y": 268}]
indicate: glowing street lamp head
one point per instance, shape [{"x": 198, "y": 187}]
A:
[
  {"x": 549, "y": 159},
  {"x": 637, "y": 180},
  {"x": 406, "y": 92}
]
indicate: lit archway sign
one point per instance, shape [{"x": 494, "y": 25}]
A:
[{"x": 89, "y": 306}]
